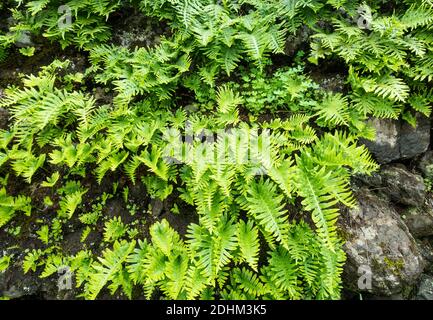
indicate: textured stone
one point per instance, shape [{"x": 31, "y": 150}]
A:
[
  {"x": 396, "y": 182},
  {"x": 377, "y": 239},
  {"x": 419, "y": 220},
  {"x": 385, "y": 147},
  {"x": 4, "y": 118},
  {"x": 396, "y": 139},
  {"x": 414, "y": 141},
  {"x": 425, "y": 290},
  {"x": 402, "y": 186},
  {"x": 425, "y": 164}
]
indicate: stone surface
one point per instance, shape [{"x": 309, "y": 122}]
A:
[
  {"x": 402, "y": 186},
  {"x": 157, "y": 207},
  {"x": 419, "y": 220},
  {"x": 425, "y": 290},
  {"x": 396, "y": 182},
  {"x": 296, "y": 42},
  {"x": 138, "y": 31},
  {"x": 426, "y": 248},
  {"x": 425, "y": 164},
  {"x": 377, "y": 239},
  {"x": 396, "y": 139},
  {"x": 25, "y": 40},
  {"x": 414, "y": 141},
  {"x": 15, "y": 285},
  {"x": 385, "y": 147}
]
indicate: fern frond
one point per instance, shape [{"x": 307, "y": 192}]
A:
[
  {"x": 265, "y": 206},
  {"x": 107, "y": 267},
  {"x": 334, "y": 110},
  {"x": 248, "y": 240}
]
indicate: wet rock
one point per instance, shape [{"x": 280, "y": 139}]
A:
[
  {"x": 396, "y": 139},
  {"x": 138, "y": 31},
  {"x": 157, "y": 207},
  {"x": 397, "y": 183},
  {"x": 403, "y": 186},
  {"x": 14, "y": 284},
  {"x": 373, "y": 180},
  {"x": 334, "y": 83},
  {"x": 385, "y": 147},
  {"x": 24, "y": 40},
  {"x": 425, "y": 164},
  {"x": 426, "y": 248},
  {"x": 116, "y": 208},
  {"x": 377, "y": 240},
  {"x": 425, "y": 290},
  {"x": 419, "y": 220},
  {"x": 414, "y": 141},
  {"x": 297, "y": 41}
]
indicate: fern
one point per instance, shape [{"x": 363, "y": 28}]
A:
[
  {"x": 218, "y": 121},
  {"x": 213, "y": 250},
  {"x": 32, "y": 260},
  {"x": 9, "y": 205},
  {"x": 248, "y": 239},
  {"x": 108, "y": 267},
  {"x": 334, "y": 110},
  {"x": 282, "y": 271},
  {"x": 264, "y": 206},
  {"x": 114, "y": 230}
]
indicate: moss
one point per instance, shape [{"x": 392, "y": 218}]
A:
[{"x": 395, "y": 265}]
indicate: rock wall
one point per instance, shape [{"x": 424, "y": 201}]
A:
[{"x": 389, "y": 236}]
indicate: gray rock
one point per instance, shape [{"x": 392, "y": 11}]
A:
[
  {"x": 138, "y": 31},
  {"x": 396, "y": 139},
  {"x": 397, "y": 183},
  {"x": 419, "y": 220},
  {"x": 373, "y": 180},
  {"x": 426, "y": 248},
  {"x": 378, "y": 240},
  {"x": 403, "y": 186},
  {"x": 425, "y": 291},
  {"x": 425, "y": 164},
  {"x": 157, "y": 207},
  {"x": 385, "y": 147},
  {"x": 414, "y": 141},
  {"x": 296, "y": 41},
  {"x": 14, "y": 284}
]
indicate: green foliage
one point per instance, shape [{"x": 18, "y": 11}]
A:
[
  {"x": 248, "y": 239},
  {"x": 107, "y": 269},
  {"x": 10, "y": 205},
  {"x": 219, "y": 124},
  {"x": 387, "y": 61},
  {"x": 4, "y": 263},
  {"x": 81, "y": 23},
  {"x": 72, "y": 196},
  {"x": 286, "y": 89},
  {"x": 114, "y": 229},
  {"x": 32, "y": 260},
  {"x": 44, "y": 234},
  {"x": 265, "y": 206}
]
